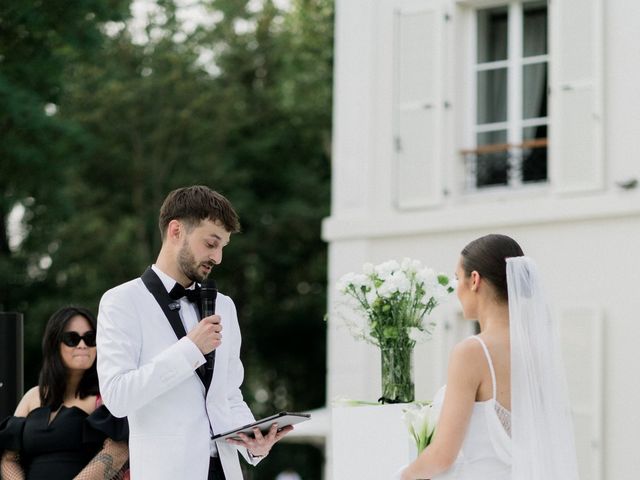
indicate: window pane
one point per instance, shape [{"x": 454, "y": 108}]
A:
[
  {"x": 535, "y": 29},
  {"x": 534, "y": 90},
  {"x": 534, "y": 159},
  {"x": 492, "y": 159},
  {"x": 492, "y": 34},
  {"x": 492, "y": 96},
  {"x": 496, "y": 137}
]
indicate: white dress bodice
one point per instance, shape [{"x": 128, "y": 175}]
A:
[{"x": 486, "y": 450}]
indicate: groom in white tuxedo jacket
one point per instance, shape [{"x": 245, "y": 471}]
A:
[{"x": 152, "y": 346}]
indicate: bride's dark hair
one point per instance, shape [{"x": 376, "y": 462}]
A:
[
  {"x": 487, "y": 255},
  {"x": 53, "y": 375}
]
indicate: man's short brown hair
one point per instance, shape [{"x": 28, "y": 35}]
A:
[{"x": 193, "y": 204}]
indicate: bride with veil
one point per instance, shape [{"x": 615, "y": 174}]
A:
[{"x": 505, "y": 411}]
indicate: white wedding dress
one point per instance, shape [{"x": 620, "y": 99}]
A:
[{"x": 486, "y": 450}]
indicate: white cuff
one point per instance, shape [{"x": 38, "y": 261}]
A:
[
  {"x": 191, "y": 352},
  {"x": 253, "y": 457}
]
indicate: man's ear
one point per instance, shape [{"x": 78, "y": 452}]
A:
[{"x": 174, "y": 230}]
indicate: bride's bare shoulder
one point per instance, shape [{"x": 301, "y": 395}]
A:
[{"x": 468, "y": 350}]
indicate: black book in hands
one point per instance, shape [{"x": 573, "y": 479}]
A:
[{"x": 283, "y": 419}]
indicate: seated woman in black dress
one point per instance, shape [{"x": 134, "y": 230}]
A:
[{"x": 59, "y": 431}]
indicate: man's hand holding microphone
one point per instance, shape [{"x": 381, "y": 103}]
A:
[{"x": 207, "y": 334}]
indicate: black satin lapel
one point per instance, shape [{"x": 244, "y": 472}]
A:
[{"x": 156, "y": 287}]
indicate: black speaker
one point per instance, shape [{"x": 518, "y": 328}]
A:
[{"x": 11, "y": 362}]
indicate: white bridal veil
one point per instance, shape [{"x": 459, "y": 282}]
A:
[{"x": 542, "y": 429}]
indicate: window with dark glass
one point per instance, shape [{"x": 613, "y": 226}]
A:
[{"x": 510, "y": 75}]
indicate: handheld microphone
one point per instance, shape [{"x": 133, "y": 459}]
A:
[{"x": 208, "y": 294}]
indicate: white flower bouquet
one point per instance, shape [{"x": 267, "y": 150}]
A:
[{"x": 392, "y": 301}]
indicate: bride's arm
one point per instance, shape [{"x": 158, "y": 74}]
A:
[{"x": 463, "y": 379}]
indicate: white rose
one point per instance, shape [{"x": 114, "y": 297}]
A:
[
  {"x": 361, "y": 280},
  {"x": 387, "y": 289},
  {"x": 409, "y": 265},
  {"x": 402, "y": 282},
  {"x": 427, "y": 277},
  {"x": 385, "y": 269}
]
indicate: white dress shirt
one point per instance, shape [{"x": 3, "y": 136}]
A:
[{"x": 188, "y": 310}]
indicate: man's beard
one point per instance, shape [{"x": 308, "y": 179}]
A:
[{"x": 189, "y": 266}]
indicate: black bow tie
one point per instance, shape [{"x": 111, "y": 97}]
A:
[{"x": 178, "y": 291}]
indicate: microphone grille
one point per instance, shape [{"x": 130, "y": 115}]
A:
[{"x": 209, "y": 285}]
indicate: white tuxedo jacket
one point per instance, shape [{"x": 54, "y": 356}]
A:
[{"x": 149, "y": 376}]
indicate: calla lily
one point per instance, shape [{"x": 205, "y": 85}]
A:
[{"x": 421, "y": 421}]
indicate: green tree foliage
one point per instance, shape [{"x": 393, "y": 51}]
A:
[
  {"x": 37, "y": 40},
  {"x": 278, "y": 74},
  {"x": 244, "y": 106}
]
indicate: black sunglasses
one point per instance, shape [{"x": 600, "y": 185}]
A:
[{"x": 72, "y": 339}]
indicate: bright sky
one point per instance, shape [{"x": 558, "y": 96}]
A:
[
  {"x": 16, "y": 230},
  {"x": 191, "y": 13}
]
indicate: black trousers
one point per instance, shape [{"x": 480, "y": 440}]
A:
[{"x": 215, "y": 469}]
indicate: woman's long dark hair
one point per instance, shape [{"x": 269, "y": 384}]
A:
[{"x": 53, "y": 375}]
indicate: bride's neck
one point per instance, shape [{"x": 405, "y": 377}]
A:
[{"x": 493, "y": 316}]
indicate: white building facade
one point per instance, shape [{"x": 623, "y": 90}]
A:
[{"x": 453, "y": 119}]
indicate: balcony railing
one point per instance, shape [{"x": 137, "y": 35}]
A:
[{"x": 505, "y": 164}]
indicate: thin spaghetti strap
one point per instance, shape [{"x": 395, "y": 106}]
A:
[{"x": 493, "y": 373}]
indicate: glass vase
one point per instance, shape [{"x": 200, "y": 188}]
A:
[{"x": 397, "y": 374}]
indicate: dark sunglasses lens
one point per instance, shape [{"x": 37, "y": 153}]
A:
[
  {"x": 90, "y": 339},
  {"x": 72, "y": 339}
]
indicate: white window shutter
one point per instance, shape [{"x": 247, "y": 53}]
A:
[
  {"x": 582, "y": 347},
  {"x": 576, "y": 137},
  {"x": 418, "y": 104}
]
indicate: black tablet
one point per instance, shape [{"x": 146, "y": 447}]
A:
[{"x": 283, "y": 419}]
